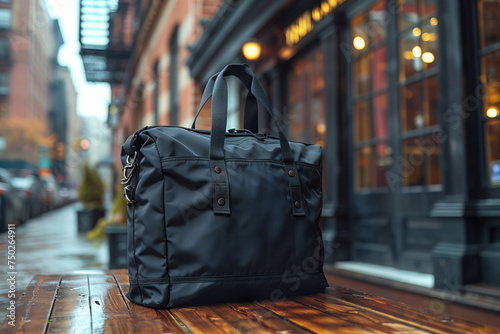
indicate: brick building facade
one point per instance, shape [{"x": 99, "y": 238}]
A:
[
  {"x": 156, "y": 87},
  {"x": 30, "y": 41}
]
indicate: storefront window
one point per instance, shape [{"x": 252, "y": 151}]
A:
[
  {"x": 419, "y": 91},
  {"x": 369, "y": 87},
  {"x": 306, "y": 116},
  {"x": 489, "y": 53},
  {"x": 4, "y": 83},
  {"x": 4, "y": 48},
  {"x": 5, "y": 18}
]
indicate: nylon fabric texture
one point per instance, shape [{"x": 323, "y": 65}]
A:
[{"x": 206, "y": 229}]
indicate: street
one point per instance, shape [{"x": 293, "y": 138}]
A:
[{"x": 48, "y": 244}]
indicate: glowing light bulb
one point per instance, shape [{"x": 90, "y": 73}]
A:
[
  {"x": 428, "y": 57},
  {"x": 359, "y": 43},
  {"x": 251, "y": 50},
  {"x": 416, "y": 51},
  {"x": 417, "y": 32},
  {"x": 434, "y": 21},
  {"x": 408, "y": 55},
  {"x": 492, "y": 112}
]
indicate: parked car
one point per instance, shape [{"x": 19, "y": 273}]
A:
[
  {"x": 49, "y": 195},
  {"x": 30, "y": 187},
  {"x": 10, "y": 201}
]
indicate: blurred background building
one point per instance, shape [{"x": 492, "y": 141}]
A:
[
  {"x": 403, "y": 95},
  {"x": 37, "y": 96}
]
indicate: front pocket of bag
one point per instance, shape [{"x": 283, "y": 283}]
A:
[{"x": 259, "y": 237}]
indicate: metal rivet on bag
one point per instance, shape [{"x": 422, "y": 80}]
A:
[
  {"x": 217, "y": 169},
  {"x": 291, "y": 173},
  {"x": 221, "y": 201},
  {"x": 297, "y": 204}
]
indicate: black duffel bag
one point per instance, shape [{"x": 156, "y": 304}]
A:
[{"x": 218, "y": 216}]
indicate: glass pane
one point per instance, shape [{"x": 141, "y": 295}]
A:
[
  {"x": 433, "y": 166},
  {"x": 4, "y": 48},
  {"x": 363, "y": 162},
  {"x": 431, "y": 100},
  {"x": 382, "y": 163},
  {"x": 318, "y": 119},
  {"x": 296, "y": 117},
  {"x": 358, "y": 32},
  {"x": 412, "y": 162},
  {"x": 380, "y": 116},
  {"x": 5, "y": 18},
  {"x": 410, "y": 53},
  {"x": 411, "y": 117},
  {"x": 4, "y": 83},
  {"x": 379, "y": 80},
  {"x": 493, "y": 150},
  {"x": 3, "y": 108},
  {"x": 362, "y": 73},
  {"x": 408, "y": 14},
  {"x": 429, "y": 46},
  {"x": 317, "y": 77},
  {"x": 490, "y": 78},
  {"x": 377, "y": 23},
  {"x": 489, "y": 22},
  {"x": 429, "y": 8},
  {"x": 362, "y": 122}
]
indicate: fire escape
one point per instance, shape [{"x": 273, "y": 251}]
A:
[{"x": 106, "y": 35}]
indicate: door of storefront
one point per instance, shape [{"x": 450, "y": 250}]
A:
[{"x": 392, "y": 65}]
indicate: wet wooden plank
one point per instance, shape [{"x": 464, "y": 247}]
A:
[
  {"x": 204, "y": 319},
  {"x": 141, "y": 319},
  {"x": 233, "y": 318},
  {"x": 405, "y": 313},
  {"x": 314, "y": 320},
  {"x": 34, "y": 307},
  {"x": 71, "y": 312},
  {"x": 265, "y": 318},
  {"x": 366, "y": 319}
]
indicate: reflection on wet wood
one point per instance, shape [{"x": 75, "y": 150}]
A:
[
  {"x": 369, "y": 320},
  {"x": 407, "y": 314},
  {"x": 71, "y": 307},
  {"x": 96, "y": 303},
  {"x": 314, "y": 320},
  {"x": 35, "y": 305}
]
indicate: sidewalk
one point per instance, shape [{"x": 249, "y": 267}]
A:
[{"x": 49, "y": 244}]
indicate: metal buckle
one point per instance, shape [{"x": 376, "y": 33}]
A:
[
  {"x": 130, "y": 165},
  {"x": 126, "y": 190}
]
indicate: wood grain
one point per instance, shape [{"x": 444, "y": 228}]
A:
[
  {"x": 71, "y": 312},
  {"x": 404, "y": 313},
  {"x": 96, "y": 303},
  {"x": 367, "y": 319},
  {"x": 142, "y": 319},
  {"x": 34, "y": 307},
  {"x": 312, "y": 319}
]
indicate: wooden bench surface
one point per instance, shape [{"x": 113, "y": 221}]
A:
[{"x": 87, "y": 303}]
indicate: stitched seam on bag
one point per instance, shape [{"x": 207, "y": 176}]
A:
[
  {"x": 148, "y": 280},
  {"x": 235, "y": 279},
  {"x": 163, "y": 207},
  {"x": 135, "y": 255},
  {"x": 255, "y": 161}
]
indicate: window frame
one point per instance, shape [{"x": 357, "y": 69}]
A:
[{"x": 483, "y": 119}]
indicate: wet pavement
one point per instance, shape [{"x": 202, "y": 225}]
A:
[{"x": 48, "y": 244}]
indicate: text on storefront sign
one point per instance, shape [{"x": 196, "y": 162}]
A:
[{"x": 304, "y": 24}]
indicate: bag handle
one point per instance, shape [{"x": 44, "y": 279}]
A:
[
  {"x": 219, "y": 109},
  {"x": 221, "y": 198},
  {"x": 251, "y": 116}
]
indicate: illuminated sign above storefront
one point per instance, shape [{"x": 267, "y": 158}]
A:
[{"x": 304, "y": 24}]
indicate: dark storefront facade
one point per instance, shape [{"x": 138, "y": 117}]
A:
[{"x": 404, "y": 96}]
